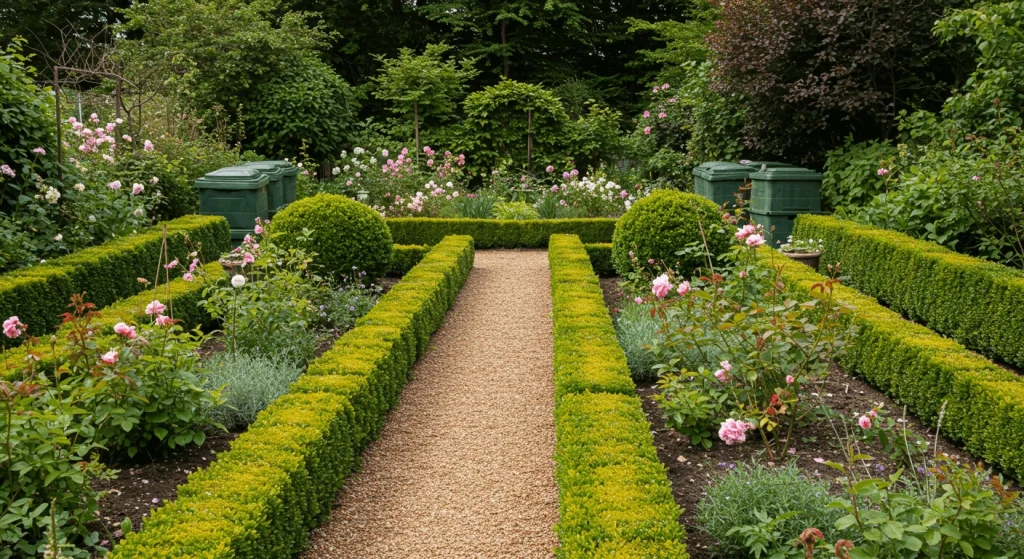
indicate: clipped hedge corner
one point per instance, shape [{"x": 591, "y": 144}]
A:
[{"x": 614, "y": 497}]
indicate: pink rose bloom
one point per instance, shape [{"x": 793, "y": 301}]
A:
[
  {"x": 883, "y": 171},
  {"x": 872, "y": 414},
  {"x": 733, "y": 432},
  {"x": 726, "y": 365},
  {"x": 162, "y": 320},
  {"x": 13, "y": 327},
  {"x": 110, "y": 357},
  {"x": 6, "y": 169},
  {"x": 655, "y": 90},
  {"x": 147, "y": 145},
  {"x": 790, "y": 379},
  {"x": 745, "y": 231},
  {"x": 647, "y": 130},
  {"x": 171, "y": 265},
  {"x": 647, "y": 114},
  {"x": 662, "y": 115},
  {"x": 755, "y": 241},
  {"x": 638, "y": 300},
  {"x": 40, "y": 151},
  {"x": 661, "y": 286},
  {"x": 864, "y": 422},
  {"x": 664, "y": 87},
  {"x": 258, "y": 230},
  {"x": 683, "y": 288},
  {"x": 722, "y": 376},
  {"x": 248, "y": 258},
  {"x": 94, "y": 117},
  {"x": 188, "y": 276},
  {"x": 122, "y": 329},
  {"x": 155, "y": 307},
  {"x": 116, "y": 185},
  {"x": 624, "y": 194},
  {"x": 137, "y": 189},
  {"x": 743, "y": 273},
  {"x": 554, "y": 188},
  {"x": 430, "y": 163},
  {"x": 975, "y": 178},
  {"x": 550, "y": 169}
]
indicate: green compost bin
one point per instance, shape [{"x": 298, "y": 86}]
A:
[
  {"x": 237, "y": 193},
  {"x": 275, "y": 187},
  {"x": 782, "y": 223},
  {"x": 720, "y": 181},
  {"x": 785, "y": 190},
  {"x": 756, "y": 166},
  {"x": 288, "y": 178}
]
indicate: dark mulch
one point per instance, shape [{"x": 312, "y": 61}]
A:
[
  {"x": 692, "y": 469},
  {"x": 147, "y": 483}
]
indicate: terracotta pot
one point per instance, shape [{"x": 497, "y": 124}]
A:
[{"x": 810, "y": 258}]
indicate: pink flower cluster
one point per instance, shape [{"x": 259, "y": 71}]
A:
[
  {"x": 751, "y": 235},
  {"x": 723, "y": 374},
  {"x": 6, "y": 169},
  {"x": 734, "y": 432},
  {"x": 13, "y": 327}
]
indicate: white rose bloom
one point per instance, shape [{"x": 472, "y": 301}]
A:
[
  {"x": 343, "y": 154},
  {"x": 139, "y": 212},
  {"x": 238, "y": 280},
  {"x": 373, "y": 161},
  {"x": 358, "y": 151},
  {"x": 336, "y": 171},
  {"x": 79, "y": 187},
  {"x": 59, "y": 237},
  {"x": 346, "y": 168},
  {"x": 92, "y": 219}
]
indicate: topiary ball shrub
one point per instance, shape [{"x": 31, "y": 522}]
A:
[
  {"x": 345, "y": 234},
  {"x": 663, "y": 223}
]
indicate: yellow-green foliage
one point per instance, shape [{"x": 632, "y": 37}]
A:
[
  {"x": 181, "y": 297},
  {"x": 614, "y": 497},
  {"x": 601, "y": 259},
  {"x": 923, "y": 370},
  {"x": 976, "y": 302},
  {"x": 108, "y": 272},
  {"x": 404, "y": 257},
  {"x": 499, "y": 233},
  {"x": 263, "y": 497}
]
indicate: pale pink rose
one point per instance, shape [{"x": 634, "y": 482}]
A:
[
  {"x": 647, "y": 114},
  {"x": 550, "y": 169},
  {"x": 744, "y": 232},
  {"x": 171, "y": 265},
  {"x": 661, "y": 286},
  {"x": 683, "y": 288},
  {"x": 188, "y": 276},
  {"x": 662, "y": 115},
  {"x": 638, "y": 300},
  {"x": 155, "y": 307},
  {"x": 743, "y": 273},
  {"x": 123, "y": 329},
  {"x": 872, "y": 414},
  {"x": 248, "y": 258},
  {"x": 722, "y": 376},
  {"x": 115, "y": 185},
  {"x": 162, "y": 320},
  {"x": 13, "y": 327},
  {"x": 40, "y": 151},
  {"x": 790, "y": 379},
  {"x": 147, "y": 145},
  {"x": 864, "y": 422},
  {"x": 647, "y": 130},
  {"x": 664, "y": 87},
  {"x": 733, "y": 432},
  {"x": 726, "y": 365},
  {"x": 137, "y": 189},
  {"x": 755, "y": 241},
  {"x": 883, "y": 171},
  {"x": 110, "y": 357},
  {"x": 258, "y": 230}
]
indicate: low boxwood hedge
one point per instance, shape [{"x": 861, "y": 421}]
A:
[
  {"x": 614, "y": 497},
  {"x": 38, "y": 295},
  {"x": 181, "y": 297},
  {"x": 976, "y": 302},
  {"x": 404, "y": 257},
  {"x": 984, "y": 403},
  {"x": 264, "y": 496},
  {"x": 601, "y": 259},
  {"x": 499, "y": 233}
]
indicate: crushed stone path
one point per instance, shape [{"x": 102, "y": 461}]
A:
[{"x": 464, "y": 466}]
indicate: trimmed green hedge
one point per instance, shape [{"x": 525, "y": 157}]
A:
[
  {"x": 614, "y": 497},
  {"x": 38, "y": 295},
  {"x": 925, "y": 371},
  {"x": 181, "y": 297},
  {"x": 498, "y": 233},
  {"x": 404, "y": 257},
  {"x": 976, "y": 302},
  {"x": 601, "y": 259},
  {"x": 264, "y": 496}
]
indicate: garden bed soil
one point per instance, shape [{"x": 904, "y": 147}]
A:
[{"x": 692, "y": 469}]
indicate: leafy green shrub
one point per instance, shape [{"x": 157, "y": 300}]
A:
[
  {"x": 636, "y": 328},
  {"x": 515, "y": 210},
  {"x": 746, "y": 491},
  {"x": 601, "y": 259},
  {"x": 851, "y": 176},
  {"x": 404, "y": 257},
  {"x": 282, "y": 475},
  {"x": 667, "y": 221},
  {"x": 345, "y": 234},
  {"x": 249, "y": 383}
]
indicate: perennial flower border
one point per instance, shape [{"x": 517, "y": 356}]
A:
[
  {"x": 278, "y": 481},
  {"x": 974, "y": 301},
  {"x": 615, "y": 499},
  {"x": 980, "y": 405},
  {"x": 499, "y": 233}
]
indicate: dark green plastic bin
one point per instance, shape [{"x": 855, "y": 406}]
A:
[
  {"x": 719, "y": 181},
  {"x": 288, "y": 178},
  {"x": 782, "y": 222},
  {"x": 756, "y": 166},
  {"x": 275, "y": 188},
  {"x": 237, "y": 193},
  {"x": 785, "y": 190}
]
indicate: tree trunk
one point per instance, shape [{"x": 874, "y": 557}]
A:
[
  {"x": 416, "y": 125},
  {"x": 504, "y": 48}
]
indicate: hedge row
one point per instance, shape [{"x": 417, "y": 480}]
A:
[
  {"x": 984, "y": 403},
  {"x": 976, "y": 302},
  {"x": 264, "y": 496},
  {"x": 614, "y": 497},
  {"x": 107, "y": 272},
  {"x": 404, "y": 257},
  {"x": 498, "y": 233},
  {"x": 181, "y": 297},
  {"x": 601, "y": 259}
]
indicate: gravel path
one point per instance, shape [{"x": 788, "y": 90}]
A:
[{"x": 464, "y": 466}]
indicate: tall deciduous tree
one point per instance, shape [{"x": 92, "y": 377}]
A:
[{"x": 424, "y": 84}]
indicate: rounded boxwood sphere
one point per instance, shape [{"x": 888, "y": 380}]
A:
[
  {"x": 345, "y": 233},
  {"x": 663, "y": 223}
]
